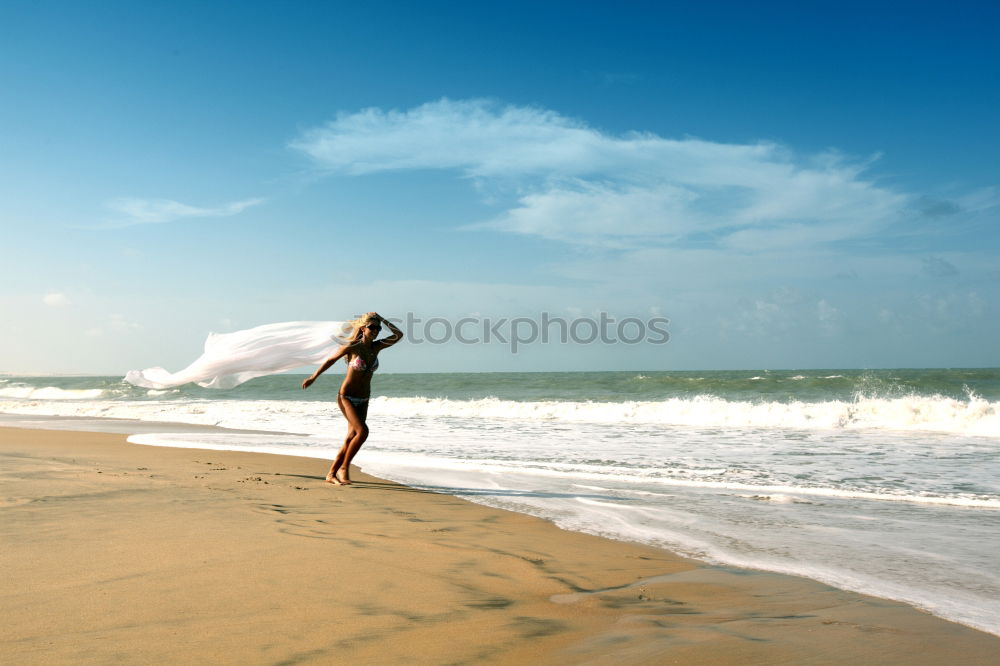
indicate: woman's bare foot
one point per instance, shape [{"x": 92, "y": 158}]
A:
[
  {"x": 330, "y": 478},
  {"x": 342, "y": 477}
]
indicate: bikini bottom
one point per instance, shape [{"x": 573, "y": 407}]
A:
[{"x": 357, "y": 402}]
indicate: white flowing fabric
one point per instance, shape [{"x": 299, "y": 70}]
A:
[{"x": 233, "y": 358}]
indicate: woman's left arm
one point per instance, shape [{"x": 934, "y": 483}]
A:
[{"x": 396, "y": 336}]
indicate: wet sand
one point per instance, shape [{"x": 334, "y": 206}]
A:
[{"x": 113, "y": 552}]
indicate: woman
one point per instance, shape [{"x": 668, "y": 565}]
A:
[{"x": 361, "y": 354}]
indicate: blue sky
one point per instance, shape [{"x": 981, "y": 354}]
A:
[{"x": 796, "y": 185}]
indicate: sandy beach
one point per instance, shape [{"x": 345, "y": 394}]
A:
[{"x": 119, "y": 553}]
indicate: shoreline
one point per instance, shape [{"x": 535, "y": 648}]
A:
[{"x": 141, "y": 553}]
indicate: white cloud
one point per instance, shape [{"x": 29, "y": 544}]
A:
[
  {"x": 831, "y": 320},
  {"x": 950, "y": 309},
  {"x": 591, "y": 214},
  {"x": 578, "y": 184},
  {"x": 55, "y": 299},
  {"x": 478, "y": 137},
  {"x": 134, "y": 211},
  {"x": 982, "y": 199}
]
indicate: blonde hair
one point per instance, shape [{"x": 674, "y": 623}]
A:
[{"x": 356, "y": 325}]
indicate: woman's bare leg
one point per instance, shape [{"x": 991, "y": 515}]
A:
[
  {"x": 331, "y": 476},
  {"x": 357, "y": 433},
  {"x": 356, "y": 443},
  {"x": 351, "y": 450}
]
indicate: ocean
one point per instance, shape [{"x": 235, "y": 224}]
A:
[{"x": 885, "y": 482}]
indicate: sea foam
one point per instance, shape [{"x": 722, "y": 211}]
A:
[{"x": 972, "y": 416}]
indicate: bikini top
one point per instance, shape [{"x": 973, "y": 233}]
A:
[{"x": 358, "y": 363}]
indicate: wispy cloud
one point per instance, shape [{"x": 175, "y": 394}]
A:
[
  {"x": 938, "y": 267},
  {"x": 55, "y": 299},
  {"x": 574, "y": 183},
  {"x": 133, "y": 211},
  {"x": 477, "y": 137}
]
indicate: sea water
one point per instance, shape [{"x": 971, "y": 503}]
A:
[{"x": 884, "y": 482}]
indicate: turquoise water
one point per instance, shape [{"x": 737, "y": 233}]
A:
[{"x": 744, "y": 385}]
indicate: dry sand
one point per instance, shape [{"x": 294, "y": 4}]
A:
[{"x": 118, "y": 553}]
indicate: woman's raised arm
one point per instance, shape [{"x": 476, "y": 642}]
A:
[{"x": 396, "y": 336}]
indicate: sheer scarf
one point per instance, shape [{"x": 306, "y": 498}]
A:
[{"x": 233, "y": 358}]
